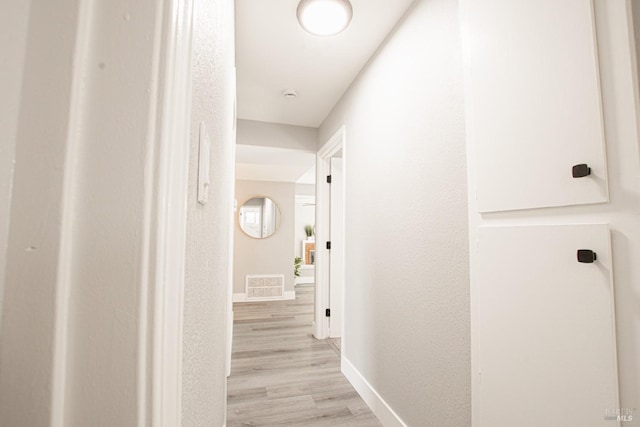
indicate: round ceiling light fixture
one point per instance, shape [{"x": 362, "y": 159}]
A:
[{"x": 324, "y": 17}]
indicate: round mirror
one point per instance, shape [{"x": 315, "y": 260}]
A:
[{"x": 259, "y": 217}]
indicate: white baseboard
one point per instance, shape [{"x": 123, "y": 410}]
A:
[
  {"x": 242, "y": 297},
  {"x": 378, "y": 406}
]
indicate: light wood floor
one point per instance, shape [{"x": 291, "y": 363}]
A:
[{"x": 282, "y": 376}]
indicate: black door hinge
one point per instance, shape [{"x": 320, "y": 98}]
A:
[
  {"x": 327, "y": 312},
  {"x": 328, "y": 179},
  {"x": 329, "y": 245}
]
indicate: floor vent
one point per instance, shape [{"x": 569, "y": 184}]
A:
[{"x": 264, "y": 286}]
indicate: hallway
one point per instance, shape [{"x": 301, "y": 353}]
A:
[
  {"x": 281, "y": 375},
  {"x": 491, "y": 214}
]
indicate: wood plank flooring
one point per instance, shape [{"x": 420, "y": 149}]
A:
[
  {"x": 282, "y": 376},
  {"x": 336, "y": 343}
]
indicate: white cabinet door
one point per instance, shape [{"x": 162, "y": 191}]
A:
[
  {"x": 534, "y": 103},
  {"x": 545, "y": 324}
]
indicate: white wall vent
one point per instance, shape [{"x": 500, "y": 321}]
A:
[{"x": 264, "y": 286}]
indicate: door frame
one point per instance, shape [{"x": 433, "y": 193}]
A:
[
  {"x": 169, "y": 222},
  {"x": 323, "y": 221}
]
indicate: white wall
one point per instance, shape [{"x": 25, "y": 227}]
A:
[
  {"x": 619, "y": 97},
  {"x": 106, "y": 196},
  {"x": 72, "y": 282},
  {"x": 252, "y": 132},
  {"x": 306, "y": 189},
  {"x": 33, "y": 253},
  {"x": 406, "y": 326},
  {"x": 208, "y": 237},
  {"x": 76, "y": 344},
  {"x": 14, "y": 19},
  {"x": 274, "y": 254}
]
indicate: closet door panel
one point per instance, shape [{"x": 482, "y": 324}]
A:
[
  {"x": 535, "y": 103},
  {"x": 545, "y": 327}
]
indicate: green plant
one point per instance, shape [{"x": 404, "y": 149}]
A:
[
  {"x": 309, "y": 230},
  {"x": 297, "y": 262}
]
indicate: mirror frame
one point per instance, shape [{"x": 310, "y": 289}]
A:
[{"x": 278, "y": 223}]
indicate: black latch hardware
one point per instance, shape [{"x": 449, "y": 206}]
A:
[
  {"x": 327, "y": 312},
  {"x": 329, "y": 245},
  {"x": 586, "y": 256},
  {"x": 581, "y": 170},
  {"x": 328, "y": 179}
]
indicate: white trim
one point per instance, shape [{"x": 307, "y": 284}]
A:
[
  {"x": 378, "y": 405},
  {"x": 323, "y": 168},
  {"x": 164, "y": 229},
  {"x": 232, "y": 218},
  {"x": 145, "y": 308},
  {"x": 242, "y": 297},
  {"x": 173, "y": 122},
  {"x": 65, "y": 260}
]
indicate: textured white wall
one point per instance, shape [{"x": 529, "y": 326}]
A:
[
  {"x": 272, "y": 255},
  {"x": 251, "y": 132},
  {"x": 407, "y": 284},
  {"x": 208, "y": 237},
  {"x": 619, "y": 97},
  {"x": 14, "y": 18}
]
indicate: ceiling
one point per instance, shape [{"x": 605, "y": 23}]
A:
[
  {"x": 274, "y": 54},
  {"x": 275, "y": 164}
]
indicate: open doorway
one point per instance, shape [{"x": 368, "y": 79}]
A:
[
  {"x": 330, "y": 265},
  {"x": 280, "y": 176},
  {"x": 305, "y": 243}
]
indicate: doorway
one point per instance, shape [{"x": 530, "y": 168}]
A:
[{"x": 330, "y": 266}]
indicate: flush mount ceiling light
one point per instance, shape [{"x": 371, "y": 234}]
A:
[{"x": 324, "y": 17}]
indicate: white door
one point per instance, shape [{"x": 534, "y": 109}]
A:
[
  {"x": 336, "y": 262},
  {"x": 545, "y": 327},
  {"x": 534, "y": 98}
]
